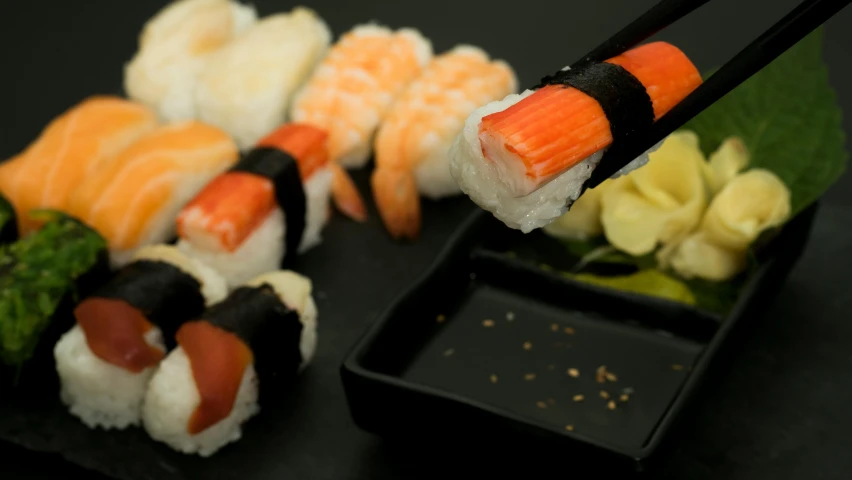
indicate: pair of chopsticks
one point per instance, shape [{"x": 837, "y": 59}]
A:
[{"x": 804, "y": 19}]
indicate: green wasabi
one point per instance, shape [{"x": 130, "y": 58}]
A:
[
  {"x": 644, "y": 282},
  {"x": 36, "y": 272},
  {"x": 8, "y": 226}
]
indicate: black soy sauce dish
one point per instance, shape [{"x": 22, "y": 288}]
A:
[{"x": 487, "y": 349}]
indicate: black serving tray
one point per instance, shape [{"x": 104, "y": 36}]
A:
[{"x": 492, "y": 350}]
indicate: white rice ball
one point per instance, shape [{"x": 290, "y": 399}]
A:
[
  {"x": 264, "y": 249},
  {"x": 97, "y": 392},
  {"x": 481, "y": 180}
]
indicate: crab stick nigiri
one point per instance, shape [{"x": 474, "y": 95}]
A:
[
  {"x": 245, "y": 87},
  {"x": 412, "y": 143},
  {"x": 273, "y": 203},
  {"x": 229, "y": 361},
  {"x": 352, "y": 90},
  {"x": 72, "y": 147},
  {"x": 526, "y": 158},
  {"x": 133, "y": 200},
  {"x": 122, "y": 332},
  {"x": 173, "y": 48}
]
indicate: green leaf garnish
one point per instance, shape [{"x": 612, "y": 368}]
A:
[
  {"x": 788, "y": 117},
  {"x": 35, "y": 273},
  {"x": 649, "y": 282}
]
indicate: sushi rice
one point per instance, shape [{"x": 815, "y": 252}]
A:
[
  {"x": 172, "y": 396},
  {"x": 489, "y": 187},
  {"x": 104, "y": 395}
]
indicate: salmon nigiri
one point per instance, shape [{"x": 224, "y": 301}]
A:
[
  {"x": 350, "y": 93},
  {"x": 412, "y": 143},
  {"x": 527, "y": 157},
  {"x": 268, "y": 208},
  {"x": 73, "y": 146},
  {"x": 133, "y": 201}
]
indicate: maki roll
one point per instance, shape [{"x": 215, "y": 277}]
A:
[
  {"x": 8, "y": 223},
  {"x": 526, "y": 158},
  {"x": 271, "y": 206},
  {"x": 209, "y": 385},
  {"x": 37, "y": 274},
  {"x": 124, "y": 329}
]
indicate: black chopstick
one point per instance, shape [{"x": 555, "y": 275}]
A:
[
  {"x": 657, "y": 18},
  {"x": 804, "y": 19}
]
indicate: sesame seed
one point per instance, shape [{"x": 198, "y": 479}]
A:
[
  {"x": 448, "y": 352},
  {"x": 611, "y": 405},
  {"x": 611, "y": 377},
  {"x": 604, "y": 394},
  {"x": 488, "y": 323},
  {"x": 527, "y": 346},
  {"x": 493, "y": 378},
  {"x": 529, "y": 376},
  {"x": 569, "y": 330},
  {"x": 677, "y": 367},
  {"x": 441, "y": 318},
  {"x": 624, "y": 397},
  {"x": 600, "y": 374},
  {"x": 510, "y": 316},
  {"x": 554, "y": 327},
  {"x": 578, "y": 398},
  {"x": 573, "y": 372},
  {"x": 541, "y": 404},
  {"x": 569, "y": 428}
]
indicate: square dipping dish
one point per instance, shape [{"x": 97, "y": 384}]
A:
[{"x": 492, "y": 350}]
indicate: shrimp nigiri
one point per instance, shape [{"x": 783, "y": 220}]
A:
[
  {"x": 269, "y": 207},
  {"x": 350, "y": 93},
  {"x": 133, "y": 201},
  {"x": 72, "y": 147},
  {"x": 412, "y": 143}
]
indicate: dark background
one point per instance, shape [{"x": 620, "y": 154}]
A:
[{"x": 782, "y": 408}]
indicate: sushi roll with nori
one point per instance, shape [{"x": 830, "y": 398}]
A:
[
  {"x": 242, "y": 348},
  {"x": 8, "y": 223},
  {"x": 260, "y": 214},
  {"x": 124, "y": 329},
  {"x": 39, "y": 272},
  {"x": 526, "y": 158}
]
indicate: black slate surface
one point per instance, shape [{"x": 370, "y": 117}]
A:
[{"x": 779, "y": 411}]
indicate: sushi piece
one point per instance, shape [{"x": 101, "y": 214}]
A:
[
  {"x": 174, "y": 46},
  {"x": 124, "y": 329},
  {"x": 351, "y": 92},
  {"x": 269, "y": 207},
  {"x": 229, "y": 361},
  {"x": 8, "y": 223},
  {"x": 412, "y": 142},
  {"x": 245, "y": 88},
  {"x": 73, "y": 146},
  {"x": 38, "y": 273},
  {"x": 527, "y": 157},
  {"x": 134, "y": 200}
]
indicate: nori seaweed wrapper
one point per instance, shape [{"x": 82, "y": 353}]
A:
[
  {"x": 283, "y": 171},
  {"x": 623, "y": 98},
  {"x": 8, "y": 222},
  {"x": 272, "y": 330},
  {"x": 166, "y": 295},
  {"x": 40, "y": 273}
]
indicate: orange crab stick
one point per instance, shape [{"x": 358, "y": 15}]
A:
[
  {"x": 218, "y": 360},
  {"x": 236, "y": 203},
  {"x": 557, "y": 127}
]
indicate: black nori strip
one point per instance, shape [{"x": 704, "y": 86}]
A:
[
  {"x": 283, "y": 171},
  {"x": 164, "y": 293},
  {"x": 272, "y": 330}
]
